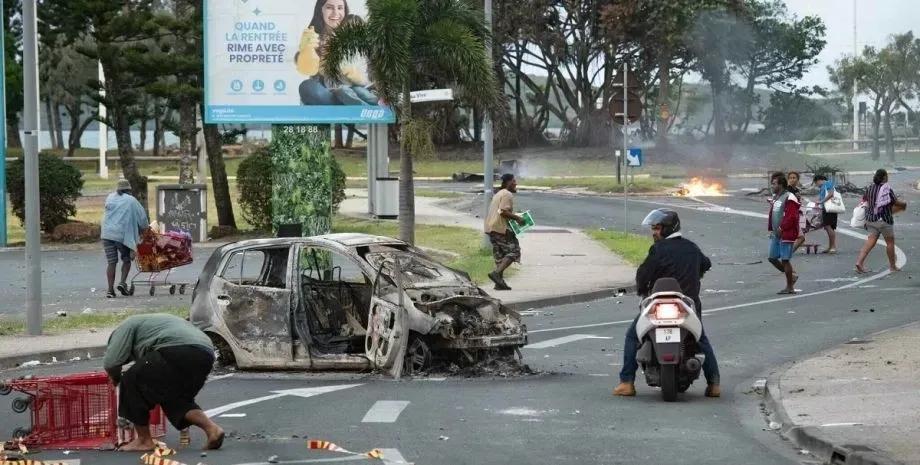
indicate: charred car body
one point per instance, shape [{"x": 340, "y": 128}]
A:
[{"x": 345, "y": 302}]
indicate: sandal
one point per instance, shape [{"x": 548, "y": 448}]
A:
[
  {"x": 109, "y": 295},
  {"x": 861, "y": 270},
  {"x": 829, "y": 252},
  {"x": 786, "y": 291}
]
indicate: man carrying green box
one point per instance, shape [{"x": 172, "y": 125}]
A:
[{"x": 505, "y": 246}]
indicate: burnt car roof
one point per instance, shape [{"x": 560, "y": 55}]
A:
[{"x": 344, "y": 239}]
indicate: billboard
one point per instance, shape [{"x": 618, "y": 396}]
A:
[{"x": 262, "y": 64}]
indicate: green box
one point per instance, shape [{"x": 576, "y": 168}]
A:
[{"x": 518, "y": 228}]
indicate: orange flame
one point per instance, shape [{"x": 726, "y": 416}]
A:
[{"x": 697, "y": 188}]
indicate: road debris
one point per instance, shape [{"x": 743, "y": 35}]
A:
[{"x": 332, "y": 447}]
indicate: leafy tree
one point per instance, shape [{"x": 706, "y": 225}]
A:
[
  {"x": 782, "y": 49},
  {"x": 15, "y": 100},
  {"x": 116, "y": 33},
  {"x": 791, "y": 112},
  {"x": 67, "y": 76},
  {"x": 407, "y": 43}
]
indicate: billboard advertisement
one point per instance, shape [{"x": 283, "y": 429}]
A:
[{"x": 262, "y": 64}]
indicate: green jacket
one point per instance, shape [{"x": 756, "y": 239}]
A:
[{"x": 139, "y": 335}]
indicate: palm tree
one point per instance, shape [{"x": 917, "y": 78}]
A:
[{"x": 410, "y": 44}]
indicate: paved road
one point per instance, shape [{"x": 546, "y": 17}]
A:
[{"x": 563, "y": 415}]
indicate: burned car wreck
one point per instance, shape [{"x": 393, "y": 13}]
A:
[{"x": 349, "y": 302}]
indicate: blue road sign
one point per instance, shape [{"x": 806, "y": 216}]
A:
[{"x": 634, "y": 157}]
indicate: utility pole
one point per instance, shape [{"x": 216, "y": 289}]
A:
[
  {"x": 487, "y": 176},
  {"x": 30, "y": 146},
  {"x": 855, "y": 87},
  {"x": 3, "y": 135}
]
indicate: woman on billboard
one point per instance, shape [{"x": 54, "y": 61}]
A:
[{"x": 354, "y": 89}]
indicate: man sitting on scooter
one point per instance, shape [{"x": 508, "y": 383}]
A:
[{"x": 671, "y": 256}]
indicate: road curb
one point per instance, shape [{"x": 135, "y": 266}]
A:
[
  {"x": 810, "y": 437},
  {"x": 63, "y": 355},
  {"x": 96, "y": 352}
]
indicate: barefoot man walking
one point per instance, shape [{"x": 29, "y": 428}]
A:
[
  {"x": 172, "y": 359},
  {"x": 505, "y": 246}
]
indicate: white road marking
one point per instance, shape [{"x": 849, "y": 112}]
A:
[
  {"x": 220, "y": 377},
  {"x": 429, "y": 379},
  {"x": 840, "y": 424},
  {"x": 901, "y": 260},
  {"x": 561, "y": 340},
  {"x": 303, "y": 392},
  {"x": 233, "y": 415},
  {"x": 385, "y": 411},
  {"x": 390, "y": 456}
]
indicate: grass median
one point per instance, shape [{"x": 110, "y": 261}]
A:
[
  {"x": 631, "y": 247},
  {"x": 604, "y": 185},
  {"x": 79, "y": 321}
]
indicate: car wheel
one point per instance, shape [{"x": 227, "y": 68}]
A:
[
  {"x": 225, "y": 357},
  {"x": 418, "y": 356}
]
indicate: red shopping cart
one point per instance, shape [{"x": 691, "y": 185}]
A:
[
  {"x": 78, "y": 411},
  {"x": 159, "y": 254}
]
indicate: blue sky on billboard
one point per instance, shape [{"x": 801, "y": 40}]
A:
[{"x": 262, "y": 63}]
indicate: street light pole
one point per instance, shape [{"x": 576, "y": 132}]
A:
[
  {"x": 30, "y": 146},
  {"x": 487, "y": 177},
  {"x": 3, "y": 133},
  {"x": 855, "y": 87}
]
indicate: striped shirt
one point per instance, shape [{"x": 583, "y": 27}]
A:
[{"x": 884, "y": 213}]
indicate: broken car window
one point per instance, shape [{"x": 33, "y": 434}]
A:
[
  {"x": 258, "y": 267},
  {"x": 416, "y": 269},
  {"x": 325, "y": 265}
]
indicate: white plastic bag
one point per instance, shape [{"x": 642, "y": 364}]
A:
[{"x": 859, "y": 216}]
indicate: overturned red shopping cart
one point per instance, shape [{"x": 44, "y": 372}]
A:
[{"x": 78, "y": 411}]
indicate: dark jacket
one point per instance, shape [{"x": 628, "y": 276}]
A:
[{"x": 674, "y": 257}]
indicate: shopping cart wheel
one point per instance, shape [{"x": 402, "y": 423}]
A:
[
  {"x": 5, "y": 388},
  {"x": 21, "y": 404},
  {"x": 153, "y": 289},
  {"x": 182, "y": 289},
  {"x": 21, "y": 432},
  {"x": 131, "y": 289},
  {"x": 172, "y": 290}
]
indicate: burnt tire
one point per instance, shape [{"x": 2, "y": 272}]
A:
[
  {"x": 225, "y": 357},
  {"x": 21, "y": 432},
  {"x": 21, "y": 404},
  {"x": 669, "y": 383},
  {"x": 418, "y": 356},
  {"x": 5, "y": 389}
]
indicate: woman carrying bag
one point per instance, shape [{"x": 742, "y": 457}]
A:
[
  {"x": 831, "y": 204},
  {"x": 881, "y": 205}
]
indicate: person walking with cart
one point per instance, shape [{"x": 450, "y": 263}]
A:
[
  {"x": 172, "y": 360},
  {"x": 122, "y": 223}
]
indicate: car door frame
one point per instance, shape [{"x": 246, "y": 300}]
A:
[
  {"x": 254, "y": 351},
  {"x": 380, "y": 315}
]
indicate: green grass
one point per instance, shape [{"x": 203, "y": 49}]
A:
[
  {"x": 437, "y": 194},
  {"x": 56, "y": 324},
  {"x": 631, "y": 247},
  {"x": 605, "y": 185},
  {"x": 465, "y": 242}
]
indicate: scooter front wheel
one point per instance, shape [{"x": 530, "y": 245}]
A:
[{"x": 669, "y": 382}]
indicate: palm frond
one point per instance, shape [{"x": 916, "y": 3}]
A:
[
  {"x": 348, "y": 41},
  {"x": 390, "y": 27},
  {"x": 460, "y": 12},
  {"x": 458, "y": 52}
]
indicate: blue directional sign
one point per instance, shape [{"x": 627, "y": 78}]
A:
[{"x": 634, "y": 157}]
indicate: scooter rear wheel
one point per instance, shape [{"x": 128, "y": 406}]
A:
[{"x": 669, "y": 382}]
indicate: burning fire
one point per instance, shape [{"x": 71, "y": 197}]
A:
[{"x": 697, "y": 188}]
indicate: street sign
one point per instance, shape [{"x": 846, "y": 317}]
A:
[
  {"x": 634, "y": 158},
  {"x": 633, "y": 99},
  {"x": 433, "y": 95}
]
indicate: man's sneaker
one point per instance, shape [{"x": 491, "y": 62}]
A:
[
  {"x": 713, "y": 390},
  {"x": 625, "y": 389}
]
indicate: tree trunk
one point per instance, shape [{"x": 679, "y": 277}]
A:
[
  {"x": 121, "y": 124},
  {"x": 664, "y": 94},
  {"x": 219, "y": 184},
  {"x": 889, "y": 135},
  {"x": 876, "y": 129},
  {"x": 339, "y": 142},
  {"x": 186, "y": 134},
  {"x": 406, "y": 185},
  {"x": 58, "y": 126},
  {"x": 143, "y": 137},
  {"x": 77, "y": 128},
  {"x": 722, "y": 150},
  {"x": 49, "y": 121},
  {"x": 13, "y": 139},
  {"x": 157, "y": 129}
]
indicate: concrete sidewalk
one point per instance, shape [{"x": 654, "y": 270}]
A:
[
  {"x": 559, "y": 266},
  {"x": 858, "y": 403},
  {"x": 556, "y": 263}
]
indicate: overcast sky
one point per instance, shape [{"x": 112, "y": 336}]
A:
[{"x": 876, "y": 20}]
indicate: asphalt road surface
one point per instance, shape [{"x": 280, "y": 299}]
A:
[{"x": 565, "y": 413}]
